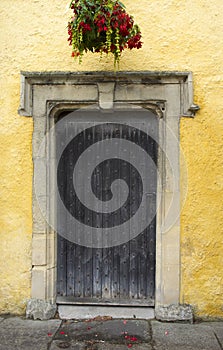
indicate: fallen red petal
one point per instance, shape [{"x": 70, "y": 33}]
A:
[
  {"x": 49, "y": 334},
  {"x": 129, "y": 345},
  {"x": 62, "y": 332},
  {"x": 133, "y": 339}
]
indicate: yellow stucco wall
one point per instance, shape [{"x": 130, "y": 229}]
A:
[{"x": 177, "y": 35}]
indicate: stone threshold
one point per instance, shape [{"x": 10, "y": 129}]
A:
[{"x": 67, "y": 312}]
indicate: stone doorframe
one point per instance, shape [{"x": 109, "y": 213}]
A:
[{"x": 170, "y": 96}]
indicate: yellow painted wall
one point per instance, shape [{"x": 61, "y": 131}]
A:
[{"x": 177, "y": 35}]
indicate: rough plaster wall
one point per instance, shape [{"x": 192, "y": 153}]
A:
[{"x": 177, "y": 35}]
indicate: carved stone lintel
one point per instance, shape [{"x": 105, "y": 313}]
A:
[{"x": 107, "y": 83}]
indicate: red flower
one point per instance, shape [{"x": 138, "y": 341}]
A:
[
  {"x": 100, "y": 22},
  {"x": 85, "y": 27},
  {"x": 75, "y": 54},
  {"x": 123, "y": 30},
  {"x": 135, "y": 42}
]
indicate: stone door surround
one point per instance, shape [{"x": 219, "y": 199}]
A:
[{"x": 170, "y": 96}]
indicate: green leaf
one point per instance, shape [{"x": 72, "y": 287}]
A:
[{"x": 121, "y": 4}]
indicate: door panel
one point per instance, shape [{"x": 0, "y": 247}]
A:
[{"x": 119, "y": 274}]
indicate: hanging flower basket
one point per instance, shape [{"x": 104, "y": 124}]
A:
[{"x": 102, "y": 26}]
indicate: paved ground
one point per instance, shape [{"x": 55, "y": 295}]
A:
[{"x": 108, "y": 334}]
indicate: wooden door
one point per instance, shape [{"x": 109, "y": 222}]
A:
[{"x": 122, "y": 274}]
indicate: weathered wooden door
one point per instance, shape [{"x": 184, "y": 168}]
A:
[{"x": 115, "y": 273}]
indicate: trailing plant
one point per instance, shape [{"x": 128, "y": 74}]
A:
[{"x": 102, "y": 26}]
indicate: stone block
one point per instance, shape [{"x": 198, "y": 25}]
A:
[
  {"x": 51, "y": 283},
  {"x": 40, "y": 309},
  {"x": 139, "y": 92},
  {"x": 172, "y": 95},
  {"x": 51, "y": 250},
  {"x": 39, "y": 249},
  {"x": 173, "y": 313},
  {"x": 39, "y": 282},
  {"x": 39, "y": 222},
  {"x": 106, "y": 95}
]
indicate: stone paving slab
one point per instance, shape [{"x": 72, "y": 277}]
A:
[
  {"x": 57, "y": 345},
  {"x": 21, "y": 334},
  {"x": 144, "y": 346},
  {"x": 174, "y": 336},
  {"x": 217, "y": 328},
  {"x": 1, "y": 319},
  {"x": 117, "y": 331}
]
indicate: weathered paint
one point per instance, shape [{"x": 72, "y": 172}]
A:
[{"x": 183, "y": 35}]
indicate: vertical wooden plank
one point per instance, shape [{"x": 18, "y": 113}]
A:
[
  {"x": 97, "y": 252},
  {"x": 106, "y": 273},
  {"x": 142, "y": 239},
  {"x": 115, "y": 250},
  {"x": 61, "y": 267},
  {"x": 70, "y": 268},
  {"x": 151, "y": 260},
  {"x": 124, "y": 248},
  {"x": 87, "y": 281},
  {"x": 115, "y": 284},
  {"x": 87, "y": 251},
  {"x": 96, "y": 278},
  {"x": 134, "y": 251},
  {"x": 124, "y": 271},
  {"x": 142, "y": 266},
  {"x": 69, "y": 225},
  {"x": 75, "y": 251},
  {"x": 106, "y": 252},
  {"x": 79, "y": 250},
  {"x": 151, "y": 237}
]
